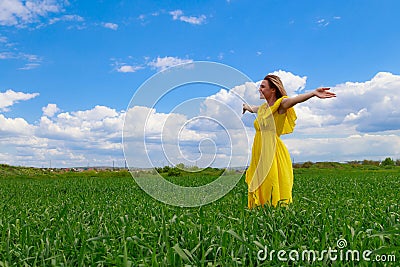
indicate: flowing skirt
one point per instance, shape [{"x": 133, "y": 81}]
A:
[{"x": 276, "y": 188}]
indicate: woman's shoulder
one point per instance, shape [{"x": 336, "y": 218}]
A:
[
  {"x": 277, "y": 105},
  {"x": 279, "y": 101},
  {"x": 283, "y": 98}
]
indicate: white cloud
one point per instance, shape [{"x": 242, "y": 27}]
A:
[
  {"x": 30, "y": 66},
  {"x": 19, "y": 55},
  {"x": 53, "y": 130},
  {"x": 111, "y": 26},
  {"x": 162, "y": 63},
  {"x": 344, "y": 128},
  {"x": 6, "y": 55},
  {"x": 340, "y": 128},
  {"x": 95, "y": 114},
  {"x": 10, "y": 97},
  {"x": 375, "y": 101},
  {"x": 80, "y": 126},
  {"x": 145, "y": 18},
  {"x": 14, "y": 126},
  {"x": 3, "y": 39},
  {"x": 175, "y": 138},
  {"x": 226, "y": 106},
  {"x": 68, "y": 139},
  {"x": 248, "y": 92},
  {"x": 33, "y": 61},
  {"x": 137, "y": 117},
  {"x": 347, "y": 148},
  {"x": 76, "y": 18},
  {"x": 20, "y": 13},
  {"x": 159, "y": 63},
  {"x": 194, "y": 20},
  {"x": 362, "y": 122},
  {"x": 355, "y": 117},
  {"x": 178, "y": 15},
  {"x": 293, "y": 84},
  {"x": 323, "y": 22},
  {"x": 128, "y": 68},
  {"x": 50, "y": 110},
  {"x": 158, "y": 130}
]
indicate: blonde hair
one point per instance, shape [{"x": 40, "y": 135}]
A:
[{"x": 275, "y": 82}]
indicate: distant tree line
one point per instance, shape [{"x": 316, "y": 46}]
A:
[
  {"x": 182, "y": 170},
  {"x": 387, "y": 162}
]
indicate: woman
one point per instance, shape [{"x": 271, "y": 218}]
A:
[{"x": 270, "y": 174}]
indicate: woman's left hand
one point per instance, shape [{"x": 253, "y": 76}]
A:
[{"x": 323, "y": 92}]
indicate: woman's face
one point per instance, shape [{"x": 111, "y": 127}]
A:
[{"x": 265, "y": 91}]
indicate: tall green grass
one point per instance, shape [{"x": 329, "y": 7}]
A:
[{"x": 105, "y": 219}]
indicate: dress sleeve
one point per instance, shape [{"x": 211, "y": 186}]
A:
[
  {"x": 290, "y": 121},
  {"x": 289, "y": 117}
]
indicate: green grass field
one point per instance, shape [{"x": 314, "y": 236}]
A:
[{"x": 105, "y": 219}]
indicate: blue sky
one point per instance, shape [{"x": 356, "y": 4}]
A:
[{"x": 68, "y": 67}]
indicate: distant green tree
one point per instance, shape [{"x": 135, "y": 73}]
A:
[
  {"x": 388, "y": 162},
  {"x": 193, "y": 168},
  {"x": 370, "y": 162},
  {"x": 307, "y": 164},
  {"x": 174, "y": 172},
  {"x": 180, "y": 166},
  {"x": 354, "y": 162},
  {"x": 166, "y": 169}
]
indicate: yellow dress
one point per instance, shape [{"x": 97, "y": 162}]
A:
[{"x": 270, "y": 174}]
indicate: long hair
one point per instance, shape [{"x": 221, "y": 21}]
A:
[{"x": 275, "y": 82}]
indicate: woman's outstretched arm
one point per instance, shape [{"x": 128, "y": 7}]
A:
[
  {"x": 251, "y": 109},
  {"x": 322, "y": 92}
]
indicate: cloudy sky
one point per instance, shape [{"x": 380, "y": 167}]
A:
[{"x": 69, "y": 69}]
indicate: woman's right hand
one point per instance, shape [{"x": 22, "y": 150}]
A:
[
  {"x": 246, "y": 107},
  {"x": 323, "y": 92}
]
